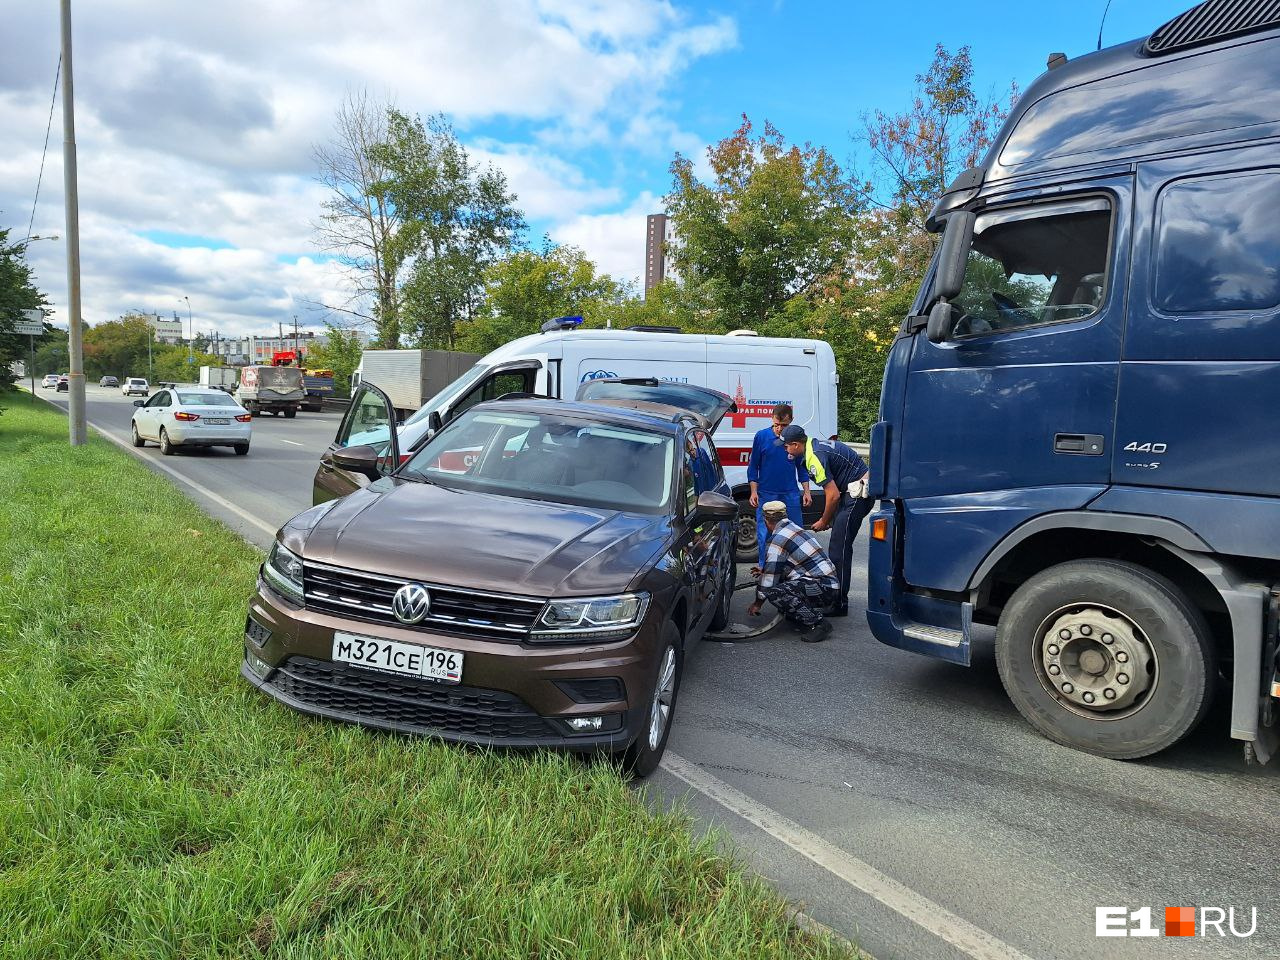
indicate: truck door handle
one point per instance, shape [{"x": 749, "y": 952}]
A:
[{"x": 1081, "y": 444}]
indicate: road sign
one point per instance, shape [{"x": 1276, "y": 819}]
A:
[{"x": 31, "y": 324}]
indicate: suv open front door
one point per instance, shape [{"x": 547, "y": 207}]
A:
[
  {"x": 710, "y": 404},
  {"x": 369, "y": 422}
]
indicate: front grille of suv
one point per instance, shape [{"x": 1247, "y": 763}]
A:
[
  {"x": 421, "y": 706},
  {"x": 367, "y": 596}
]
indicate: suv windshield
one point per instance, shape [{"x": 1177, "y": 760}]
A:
[{"x": 544, "y": 456}]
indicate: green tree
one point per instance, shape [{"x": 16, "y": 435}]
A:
[
  {"x": 117, "y": 347},
  {"x": 456, "y": 220},
  {"x": 170, "y": 363},
  {"x": 339, "y": 351},
  {"x": 358, "y": 222},
  {"x": 18, "y": 292},
  {"x": 527, "y": 287},
  {"x": 915, "y": 154},
  {"x": 774, "y": 221}
]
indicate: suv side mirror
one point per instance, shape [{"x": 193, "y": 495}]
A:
[
  {"x": 361, "y": 459},
  {"x": 715, "y": 506},
  {"x": 954, "y": 255},
  {"x": 434, "y": 423}
]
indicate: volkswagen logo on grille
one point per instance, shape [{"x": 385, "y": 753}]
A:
[{"x": 411, "y": 603}]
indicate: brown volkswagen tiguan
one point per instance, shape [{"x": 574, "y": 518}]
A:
[{"x": 532, "y": 577}]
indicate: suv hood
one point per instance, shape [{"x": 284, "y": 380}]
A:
[{"x": 467, "y": 539}]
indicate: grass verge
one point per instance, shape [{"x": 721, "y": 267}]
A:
[{"x": 153, "y": 805}]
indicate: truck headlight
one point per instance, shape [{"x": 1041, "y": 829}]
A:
[
  {"x": 590, "y": 618},
  {"x": 283, "y": 572}
]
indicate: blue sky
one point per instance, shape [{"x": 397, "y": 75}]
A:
[{"x": 196, "y": 124}]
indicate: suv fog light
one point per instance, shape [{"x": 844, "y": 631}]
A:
[
  {"x": 586, "y": 724},
  {"x": 259, "y": 666}
]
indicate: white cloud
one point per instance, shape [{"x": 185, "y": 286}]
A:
[
  {"x": 199, "y": 120},
  {"x": 614, "y": 240}
]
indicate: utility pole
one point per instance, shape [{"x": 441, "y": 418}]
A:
[
  {"x": 190, "y": 333},
  {"x": 75, "y": 342},
  {"x": 297, "y": 354}
]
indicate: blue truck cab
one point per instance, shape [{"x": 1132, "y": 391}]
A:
[{"x": 1075, "y": 441}]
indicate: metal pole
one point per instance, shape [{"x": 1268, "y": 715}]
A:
[
  {"x": 75, "y": 343},
  {"x": 32, "y": 338},
  {"x": 190, "y": 331}
]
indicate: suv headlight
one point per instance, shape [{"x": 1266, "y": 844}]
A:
[
  {"x": 590, "y": 618},
  {"x": 283, "y": 572}
]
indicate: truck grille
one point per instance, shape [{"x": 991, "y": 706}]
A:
[
  {"x": 367, "y": 596},
  {"x": 419, "y": 706}
]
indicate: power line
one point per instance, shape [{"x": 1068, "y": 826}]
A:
[{"x": 57, "y": 74}]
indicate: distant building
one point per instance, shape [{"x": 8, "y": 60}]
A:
[
  {"x": 164, "y": 331},
  {"x": 255, "y": 349},
  {"x": 657, "y": 242}
]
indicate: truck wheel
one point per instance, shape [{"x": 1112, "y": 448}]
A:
[
  {"x": 290, "y": 413},
  {"x": 747, "y": 541},
  {"x": 642, "y": 757},
  {"x": 1106, "y": 657}
]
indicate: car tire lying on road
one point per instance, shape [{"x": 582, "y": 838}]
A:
[
  {"x": 166, "y": 447},
  {"x": 1106, "y": 657},
  {"x": 642, "y": 757},
  {"x": 137, "y": 437},
  {"x": 241, "y": 449}
]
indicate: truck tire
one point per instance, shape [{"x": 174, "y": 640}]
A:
[
  {"x": 1106, "y": 657},
  {"x": 643, "y": 756},
  {"x": 746, "y": 539},
  {"x": 290, "y": 413}
]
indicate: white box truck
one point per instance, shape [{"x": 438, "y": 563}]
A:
[
  {"x": 412, "y": 377},
  {"x": 222, "y": 378}
]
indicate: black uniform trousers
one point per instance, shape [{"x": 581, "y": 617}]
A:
[{"x": 844, "y": 530}]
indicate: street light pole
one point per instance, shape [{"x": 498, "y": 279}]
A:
[
  {"x": 190, "y": 332},
  {"x": 151, "y": 335},
  {"x": 70, "y": 181}
]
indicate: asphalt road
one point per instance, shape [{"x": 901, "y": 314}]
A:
[{"x": 903, "y": 802}]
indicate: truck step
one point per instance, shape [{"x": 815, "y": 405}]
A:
[{"x": 932, "y": 634}]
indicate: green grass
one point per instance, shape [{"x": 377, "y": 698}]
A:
[{"x": 153, "y": 805}]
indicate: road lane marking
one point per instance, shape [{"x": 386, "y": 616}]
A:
[
  {"x": 920, "y": 910},
  {"x": 294, "y": 442}
]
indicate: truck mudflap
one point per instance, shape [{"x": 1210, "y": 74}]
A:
[
  {"x": 1265, "y": 747},
  {"x": 933, "y": 626}
]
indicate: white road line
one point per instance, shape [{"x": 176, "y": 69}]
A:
[
  {"x": 294, "y": 442},
  {"x": 957, "y": 932}
]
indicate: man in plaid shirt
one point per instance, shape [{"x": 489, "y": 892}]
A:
[{"x": 797, "y": 577}]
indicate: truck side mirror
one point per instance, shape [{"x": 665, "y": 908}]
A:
[
  {"x": 954, "y": 256},
  {"x": 940, "y": 322}
]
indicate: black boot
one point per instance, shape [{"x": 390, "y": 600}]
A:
[{"x": 817, "y": 633}]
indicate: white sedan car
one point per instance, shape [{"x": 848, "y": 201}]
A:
[{"x": 192, "y": 417}]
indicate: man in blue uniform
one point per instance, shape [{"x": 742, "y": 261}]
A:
[
  {"x": 774, "y": 474},
  {"x": 838, "y": 469}
]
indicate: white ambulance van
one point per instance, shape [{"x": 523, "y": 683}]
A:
[{"x": 758, "y": 372}]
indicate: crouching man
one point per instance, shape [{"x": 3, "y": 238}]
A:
[{"x": 797, "y": 577}]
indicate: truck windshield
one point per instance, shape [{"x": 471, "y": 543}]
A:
[
  {"x": 549, "y": 457},
  {"x": 442, "y": 398}
]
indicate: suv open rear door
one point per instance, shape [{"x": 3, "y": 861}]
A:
[{"x": 705, "y": 402}]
